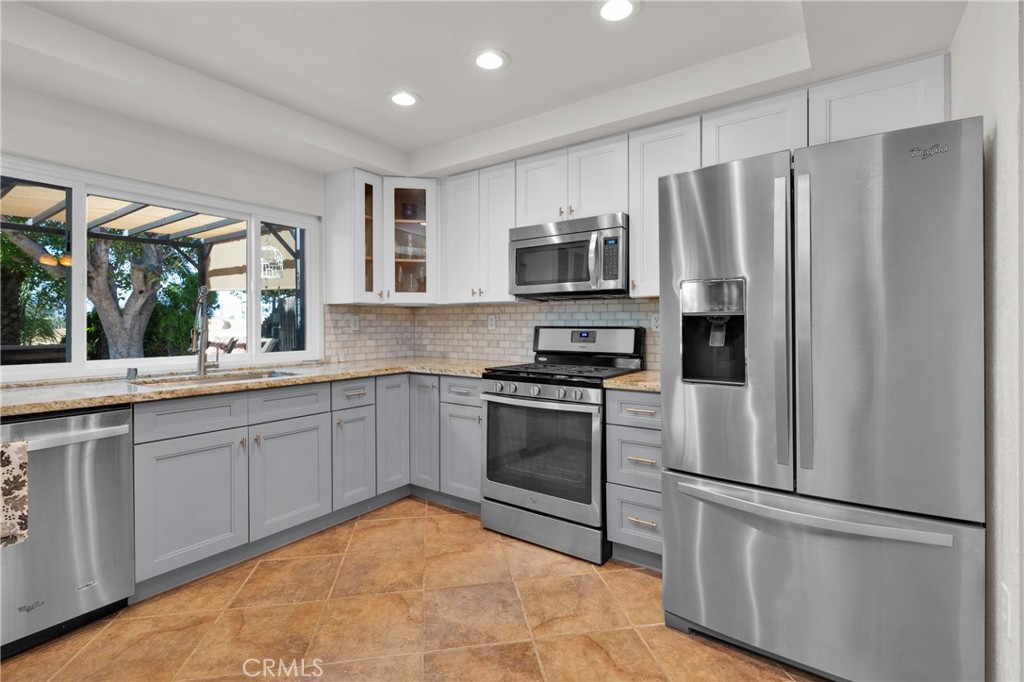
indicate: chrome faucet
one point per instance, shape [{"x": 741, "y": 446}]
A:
[{"x": 201, "y": 333}]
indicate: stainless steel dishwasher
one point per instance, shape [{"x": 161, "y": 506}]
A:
[{"x": 79, "y": 554}]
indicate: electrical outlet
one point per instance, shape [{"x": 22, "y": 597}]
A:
[
  {"x": 655, "y": 322},
  {"x": 353, "y": 323},
  {"x": 492, "y": 322}
]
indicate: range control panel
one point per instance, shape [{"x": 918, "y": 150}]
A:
[{"x": 610, "y": 264}]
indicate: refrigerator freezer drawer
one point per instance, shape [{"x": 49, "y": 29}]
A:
[{"x": 856, "y": 593}]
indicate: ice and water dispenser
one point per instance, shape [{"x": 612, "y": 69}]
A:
[{"x": 714, "y": 331}]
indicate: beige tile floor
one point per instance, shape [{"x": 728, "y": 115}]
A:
[{"x": 412, "y": 591}]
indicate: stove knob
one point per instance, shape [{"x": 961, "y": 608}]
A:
[
  {"x": 535, "y": 390},
  {"x": 499, "y": 387},
  {"x": 560, "y": 393},
  {"x": 578, "y": 394},
  {"x": 512, "y": 388}
]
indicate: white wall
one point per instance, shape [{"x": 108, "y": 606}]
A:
[
  {"x": 986, "y": 80},
  {"x": 42, "y": 127}
]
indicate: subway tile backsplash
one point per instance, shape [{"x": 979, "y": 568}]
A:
[{"x": 461, "y": 332}]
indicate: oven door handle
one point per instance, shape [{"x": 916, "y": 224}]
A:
[{"x": 542, "y": 404}]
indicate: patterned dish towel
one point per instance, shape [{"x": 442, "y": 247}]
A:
[{"x": 14, "y": 485}]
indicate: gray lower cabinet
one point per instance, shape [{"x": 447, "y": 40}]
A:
[
  {"x": 424, "y": 441},
  {"x": 191, "y": 499},
  {"x": 354, "y": 455},
  {"x": 462, "y": 450},
  {"x": 392, "y": 432},
  {"x": 289, "y": 473}
]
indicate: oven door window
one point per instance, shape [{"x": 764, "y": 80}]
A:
[
  {"x": 541, "y": 450},
  {"x": 553, "y": 263}
]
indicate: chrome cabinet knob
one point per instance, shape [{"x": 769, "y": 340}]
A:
[{"x": 535, "y": 390}]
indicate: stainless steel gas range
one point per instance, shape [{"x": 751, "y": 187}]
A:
[{"x": 544, "y": 438}]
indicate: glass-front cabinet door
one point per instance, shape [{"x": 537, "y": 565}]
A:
[
  {"x": 409, "y": 240},
  {"x": 368, "y": 195}
]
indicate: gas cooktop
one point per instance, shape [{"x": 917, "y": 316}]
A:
[{"x": 562, "y": 370}]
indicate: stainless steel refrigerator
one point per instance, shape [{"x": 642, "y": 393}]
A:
[{"x": 823, "y": 392}]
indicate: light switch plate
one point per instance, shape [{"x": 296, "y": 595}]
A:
[{"x": 492, "y": 322}]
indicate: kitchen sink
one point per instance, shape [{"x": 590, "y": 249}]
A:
[{"x": 194, "y": 380}]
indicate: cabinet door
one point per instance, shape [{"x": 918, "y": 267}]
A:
[
  {"x": 289, "y": 473},
  {"x": 902, "y": 96},
  {"x": 462, "y": 229},
  {"x": 497, "y": 217},
  {"x": 762, "y": 127},
  {"x": 392, "y": 432},
  {"x": 462, "y": 450},
  {"x": 367, "y": 211},
  {"x": 654, "y": 152},
  {"x": 542, "y": 188},
  {"x": 599, "y": 177},
  {"x": 355, "y": 455},
  {"x": 191, "y": 500},
  {"x": 410, "y": 240},
  {"x": 424, "y": 403}
]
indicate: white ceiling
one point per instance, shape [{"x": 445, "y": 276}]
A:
[{"x": 306, "y": 82}]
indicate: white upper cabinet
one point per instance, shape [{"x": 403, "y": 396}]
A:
[
  {"x": 353, "y": 208},
  {"x": 409, "y": 241},
  {"x": 654, "y": 152},
  {"x": 893, "y": 98},
  {"x": 497, "y": 217},
  {"x": 479, "y": 208},
  {"x": 461, "y": 215},
  {"x": 761, "y": 127},
  {"x": 542, "y": 186},
  {"x": 581, "y": 181}
]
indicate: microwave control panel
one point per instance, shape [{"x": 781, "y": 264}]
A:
[{"x": 610, "y": 264}]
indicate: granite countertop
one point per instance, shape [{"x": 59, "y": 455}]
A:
[
  {"x": 42, "y": 396},
  {"x": 647, "y": 381}
]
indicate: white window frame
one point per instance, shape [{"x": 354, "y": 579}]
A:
[{"x": 84, "y": 183}]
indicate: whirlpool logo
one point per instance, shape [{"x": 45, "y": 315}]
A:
[{"x": 928, "y": 152}]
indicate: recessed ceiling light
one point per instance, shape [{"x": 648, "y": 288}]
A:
[
  {"x": 616, "y": 10},
  {"x": 404, "y": 98},
  {"x": 490, "y": 59}
]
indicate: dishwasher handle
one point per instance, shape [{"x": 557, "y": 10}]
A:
[{"x": 75, "y": 437}]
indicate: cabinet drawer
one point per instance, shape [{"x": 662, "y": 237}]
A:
[
  {"x": 634, "y": 457},
  {"x": 634, "y": 517},
  {"x": 288, "y": 401},
  {"x": 460, "y": 391},
  {"x": 162, "y": 419},
  {"x": 631, "y": 408},
  {"x": 353, "y": 393}
]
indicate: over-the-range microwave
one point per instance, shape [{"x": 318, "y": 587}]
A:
[{"x": 570, "y": 259}]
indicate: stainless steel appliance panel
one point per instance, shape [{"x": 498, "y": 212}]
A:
[
  {"x": 545, "y": 456},
  {"x": 865, "y": 595},
  {"x": 79, "y": 554},
  {"x": 889, "y": 321},
  {"x": 729, "y": 222}
]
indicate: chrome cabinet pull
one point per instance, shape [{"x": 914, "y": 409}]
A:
[
  {"x": 560, "y": 212},
  {"x": 389, "y": 294},
  {"x": 571, "y": 210},
  {"x": 242, "y": 442},
  {"x": 256, "y": 439},
  {"x": 338, "y": 423},
  {"x": 641, "y": 460},
  {"x": 380, "y": 294},
  {"x": 632, "y": 284},
  {"x": 642, "y": 522},
  {"x": 459, "y": 391},
  {"x": 355, "y": 394},
  {"x": 638, "y": 410},
  {"x": 479, "y": 419}
]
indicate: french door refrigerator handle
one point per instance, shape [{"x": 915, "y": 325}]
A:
[
  {"x": 871, "y": 530},
  {"x": 781, "y": 298},
  {"x": 804, "y": 401}
]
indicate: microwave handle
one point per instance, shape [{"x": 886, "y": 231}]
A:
[{"x": 594, "y": 274}]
